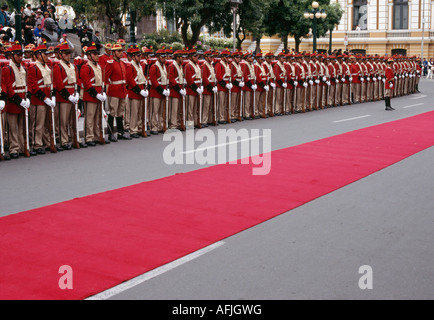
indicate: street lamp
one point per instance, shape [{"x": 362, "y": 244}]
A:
[
  {"x": 234, "y": 6},
  {"x": 315, "y": 14}
]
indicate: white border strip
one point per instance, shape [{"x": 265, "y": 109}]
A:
[
  {"x": 365, "y": 116},
  {"x": 413, "y": 105},
  {"x": 221, "y": 145},
  {"x": 153, "y": 273}
]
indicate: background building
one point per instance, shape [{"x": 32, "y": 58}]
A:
[{"x": 373, "y": 27}]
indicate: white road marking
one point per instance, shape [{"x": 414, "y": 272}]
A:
[
  {"x": 221, "y": 145},
  {"x": 419, "y": 96},
  {"x": 153, "y": 273},
  {"x": 349, "y": 119},
  {"x": 413, "y": 105}
]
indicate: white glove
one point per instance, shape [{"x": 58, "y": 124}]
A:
[
  {"x": 396, "y": 78},
  {"x": 72, "y": 99},
  {"x": 24, "y": 104},
  {"x": 311, "y": 82},
  {"x": 199, "y": 91},
  {"x": 305, "y": 84},
  {"x": 375, "y": 79},
  {"x": 254, "y": 87},
  {"x": 182, "y": 92},
  {"x": 53, "y": 99},
  {"x": 285, "y": 85},
  {"x": 324, "y": 79},
  {"x": 295, "y": 83},
  {"x": 343, "y": 80},
  {"x": 229, "y": 86},
  {"x": 144, "y": 93},
  {"x": 241, "y": 84},
  {"x": 391, "y": 85},
  {"x": 351, "y": 79},
  {"x": 362, "y": 79},
  {"x": 368, "y": 79},
  {"x": 273, "y": 85},
  {"x": 379, "y": 78},
  {"x": 215, "y": 89},
  {"x": 100, "y": 97},
  {"x": 328, "y": 83},
  {"x": 2, "y": 106},
  {"x": 317, "y": 81},
  {"x": 267, "y": 88},
  {"x": 77, "y": 96},
  {"x": 49, "y": 103},
  {"x": 166, "y": 92},
  {"x": 337, "y": 81},
  {"x": 384, "y": 80}
]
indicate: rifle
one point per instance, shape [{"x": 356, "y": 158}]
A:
[
  {"x": 295, "y": 97},
  {"x": 52, "y": 128},
  {"x": 254, "y": 101},
  {"x": 215, "y": 108},
  {"x": 26, "y": 127},
  {"x": 284, "y": 100},
  {"x": 2, "y": 149},
  {"x": 200, "y": 106},
  {"x": 76, "y": 134},
  {"x": 228, "y": 117},
  {"x": 101, "y": 129},
  {"x": 183, "y": 111},
  {"x": 265, "y": 105},
  {"x": 240, "y": 100},
  {"x": 145, "y": 108},
  {"x": 273, "y": 100}
]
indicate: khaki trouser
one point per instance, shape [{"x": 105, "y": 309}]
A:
[
  {"x": 314, "y": 96},
  {"x": 375, "y": 89},
  {"x": 175, "y": 112},
  {"x": 369, "y": 90},
  {"x": 92, "y": 118},
  {"x": 331, "y": 95},
  {"x": 338, "y": 93},
  {"x": 235, "y": 104},
  {"x": 66, "y": 123},
  {"x": 356, "y": 89},
  {"x": 16, "y": 135},
  {"x": 127, "y": 114},
  {"x": 4, "y": 131},
  {"x": 248, "y": 104},
  {"x": 260, "y": 96},
  {"x": 42, "y": 124},
  {"x": 223, "y": 104},
  {"x": 270, "y": 101},
  {"x": 136, "y": 109},
  {"x": 116, "y": 106},
  {"x": 278, "y": 108},
  {"x": 32, "y": 124},
  {"x": 158, "y": 111},
  {"x": 300, "y": 99},
  {"x": 363, "y": 88},
  {"x": 208, "y": 115},
  {"x": 193, "y": 109},
  {"x": 290, "y": 100}
]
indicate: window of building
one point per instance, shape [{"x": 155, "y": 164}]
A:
[
  {"x": 359, "y": 51},
  {"x": 400, "y": 14},
  {"x": 401, "y": 52},
  {"x": 360, "y": 15}
]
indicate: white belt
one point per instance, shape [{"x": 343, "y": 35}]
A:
[
  {"x": 20, "y": 90},
  {"x": 70, "y": 87},
  {"x": 118, "y": 82}
]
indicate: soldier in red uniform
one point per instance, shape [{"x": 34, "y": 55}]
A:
[
  {"x": 177, "y": 105},
  {"x": 237, "y": 78},
  {"x": 281, "y": 84},
  {"x": 40, "y": 84},
  {"x": 262, "y": 86},
  {"x": 224, "y": 85},
  {"x": 159, "y": 91},
  {"x": 209, "y": 89},
  {"x": 93, "y": 97},
  {"x": 268, "y": 67},
  {"x": 65, "y": 77},
  {"x": 14, "y": 91},
  {"x": 137, "y": 92},
  {"x": 107, "y": 55},
  {"x": 115, "y": 77},
  {"x": 390, "y": 83},
  {"x": 193, "y": 78}
]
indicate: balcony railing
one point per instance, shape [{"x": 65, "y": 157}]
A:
[
  {"x": 398, "y": 34},
  {"x": 358, "y": 34}
]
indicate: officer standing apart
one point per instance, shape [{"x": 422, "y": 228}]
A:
[{"x": 389, "y": 85}]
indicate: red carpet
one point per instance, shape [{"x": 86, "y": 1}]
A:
[{"x": 147, "y": 225}]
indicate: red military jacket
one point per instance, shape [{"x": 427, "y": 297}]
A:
[
  {"x": 116, "y": 78},
  {"x": 249, "y": 78},
  {"x": 176, "y": 80},
  {"x": 103, "y": 60},
  {"x": 261, "y": 77},
  {"x": 192, "y": 78},
  {"x": 37, "y": 88},
  {"x": 135, "y": 83},
  {"x": 159, "y": 80},
  {"x": 390, "y": 77},
  {"x": 332, "y": 73},
  {"x": 14, "y": 95},
  {"x": 88, "y": 83},
  {"x": 223, "y": 77},
  {"x": 289, "y": 76},
  {"x": 236, "y": 76},
  {"x": 60, "y": 82},
  {"x": 209, "y": 78},
  {"x": 356, "y": 72},
  {"x": 280, "y": 74},
  {"x": 299, "y": 74}
]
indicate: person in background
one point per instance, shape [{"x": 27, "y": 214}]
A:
[{"x": 4, "y": 16}]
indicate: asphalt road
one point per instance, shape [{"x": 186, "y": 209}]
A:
[{"x": 315, "y": 251}]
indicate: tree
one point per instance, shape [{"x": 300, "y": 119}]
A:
[
  {"x": 192, "y": 15},
  {"x": 285, "y": 18},
  {"x": 114, "y": 10}
]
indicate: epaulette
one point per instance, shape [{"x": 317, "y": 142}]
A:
[{"x": 110, "y": 61}]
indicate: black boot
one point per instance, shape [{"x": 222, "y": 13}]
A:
[
  {"x": 388, "y": 107},
  {"x": 110, "y": 121}
]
